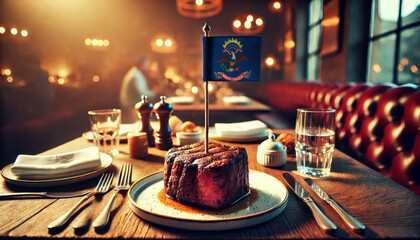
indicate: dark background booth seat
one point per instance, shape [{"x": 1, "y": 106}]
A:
[{"x": 377, "y": 125}]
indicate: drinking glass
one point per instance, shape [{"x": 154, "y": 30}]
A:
[
  {"x": 314, "y": 142},
  {"x": 105, "y": 126}
]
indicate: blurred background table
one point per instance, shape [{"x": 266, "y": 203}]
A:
[{"x": 218, "y": 111}]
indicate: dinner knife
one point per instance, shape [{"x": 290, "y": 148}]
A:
[
  {"x": 43, "y": 194},
  {"x": 323, "y": 221},
  {"x": 354, "y": 224}
]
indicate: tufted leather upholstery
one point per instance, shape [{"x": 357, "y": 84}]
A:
[{"x": 378, "y": 125}]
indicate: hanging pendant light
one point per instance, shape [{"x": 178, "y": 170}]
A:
[
  {"x": 199, "y": 8},
  {"x": 248, "y": 24}
]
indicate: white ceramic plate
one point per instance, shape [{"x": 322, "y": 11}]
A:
[
  {"x": 106, "y": 161},
  {"x": 255, "y": 138},
  {"x": 267, "y": 199},
  {"x": 180, "y": 100},
  {"x": 239, "y": 100}
]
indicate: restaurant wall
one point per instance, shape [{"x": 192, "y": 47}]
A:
[{"x": 333, "y": 66}]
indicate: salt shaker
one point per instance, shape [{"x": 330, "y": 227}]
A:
[
  {"x": 271, "y": 153},
  {"x": 163, "y": 111},
  {"x": 144, "y": 111}
]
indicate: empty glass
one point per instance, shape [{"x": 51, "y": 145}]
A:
[
  {"x": 314, "y": 142},
  {"x": 105, "y": 126}
]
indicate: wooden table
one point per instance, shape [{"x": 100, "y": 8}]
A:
[{"x": 387, "y": 209}]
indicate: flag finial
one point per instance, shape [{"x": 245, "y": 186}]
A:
[{"x": 206, "y": 29}]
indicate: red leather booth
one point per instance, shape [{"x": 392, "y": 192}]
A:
[{"x": 378, "y": 125}]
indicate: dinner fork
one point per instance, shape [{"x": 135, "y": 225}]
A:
[
  {"x": 102, "y": 187},
  {"x": 123, "y": 183}
]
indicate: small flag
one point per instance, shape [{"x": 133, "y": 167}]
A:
[{"x": 232, "y": 58}]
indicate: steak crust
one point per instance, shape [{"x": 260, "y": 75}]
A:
[{"x": 216, "y": 179}]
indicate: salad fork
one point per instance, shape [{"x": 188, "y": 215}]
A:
[
  {"x": 102, "y": 187},
  {"x": 123, "y": 183}
]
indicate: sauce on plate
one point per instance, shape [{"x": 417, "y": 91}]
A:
[{"x": 239, "y": 205}]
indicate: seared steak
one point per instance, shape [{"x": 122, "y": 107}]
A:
[{"x": 215, "y": 179}]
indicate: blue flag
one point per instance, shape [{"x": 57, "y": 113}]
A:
[{"x": 232, "y": 58}]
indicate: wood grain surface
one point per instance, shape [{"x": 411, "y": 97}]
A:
[{"x": 387, "y": 209}]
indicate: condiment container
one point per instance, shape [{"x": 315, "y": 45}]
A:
[
  {"x": 185, "y": 138},
  {"x": 271, "y": 153},
  {"x": 137, "y": 143}
]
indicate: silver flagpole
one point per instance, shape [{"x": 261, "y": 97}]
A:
[{"x": 206, "y": 30}]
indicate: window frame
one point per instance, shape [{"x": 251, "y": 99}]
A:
[{"x": 397, "y": 31}]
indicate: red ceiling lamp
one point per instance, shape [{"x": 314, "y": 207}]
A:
[
  {"x": 248, "y": 24},
  {"x": 199, "y": 8}
]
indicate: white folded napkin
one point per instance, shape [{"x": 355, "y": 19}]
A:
[
  {"x": 55, "y": 166},
  {"x": 240, "y": 129}
]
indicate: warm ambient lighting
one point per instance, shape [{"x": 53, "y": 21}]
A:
[
  {"x": 194, "y": 90},
  {"x": 176, "y": 79},
  {"x": 9, "y": 79},
  {"x": 163, "y": 44},
  {"x": 24, "y": 33},
  {"x": 97, "y": 42},
  {"x": 330, "y": 22},
  {"x": 414, "y": 69},
  {"x": 13, "y": 31},
  {"x": 250, "y": 18},
  {"x": 51, "y": 79},
  {"x": 248, "y": 24},
  {"x": 199, "y": 8},
  {"x": 269, "y": 61},
  {"x": 168, "y": 42},
  {"x": 61, "y": 81},
  {"x": 2, "y": 30},
  {"x": 188, "y": 85},
  {"x": 6, "y": 72},
  {"x": 95, "y": 78},
  {"x": 404, "y": 61},
  {"x": 199, "y": 2},
  {"x": 289, "y": 44},
  {"x": 376, "y": 68},
  {"x": 275, "y": 6},
  {"x": 211, "y": 87}
]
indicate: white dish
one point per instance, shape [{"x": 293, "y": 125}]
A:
[
  {"x": 255, "y": 138},
  {"x": 236, "y": 100},
  {"x": 180, "y": 100},
  {"x": 106, "y": 161},
  {"x": 267, "y": 199}
]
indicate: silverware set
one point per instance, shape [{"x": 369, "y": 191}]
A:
[
  {"x": 104, "y": 184},
  {"x": 323, "y": 221}
]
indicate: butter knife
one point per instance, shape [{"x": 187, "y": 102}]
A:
[
  {"x": 43, "y": 194},
  {"x": 352, "y": 222},
  {"x": 323, "y": 221}
]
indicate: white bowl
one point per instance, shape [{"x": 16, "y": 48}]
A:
[{"x": 185, "y": 138}]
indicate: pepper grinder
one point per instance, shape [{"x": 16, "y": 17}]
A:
[
  {"x": 144, "y": 111},
  {"x": 163, "y": 111}
]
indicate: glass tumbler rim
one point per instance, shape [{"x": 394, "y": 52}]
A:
[
  {"x": 104, "y": 111},
  {"x": 317, "y": 110}
]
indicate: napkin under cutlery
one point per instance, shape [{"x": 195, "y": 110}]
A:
[
  {"x": 241, "y": 129},
  {"x": 59, "y": 165}
]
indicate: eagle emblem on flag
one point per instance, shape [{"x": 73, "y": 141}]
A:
[{"x": 232, "y": 58}]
